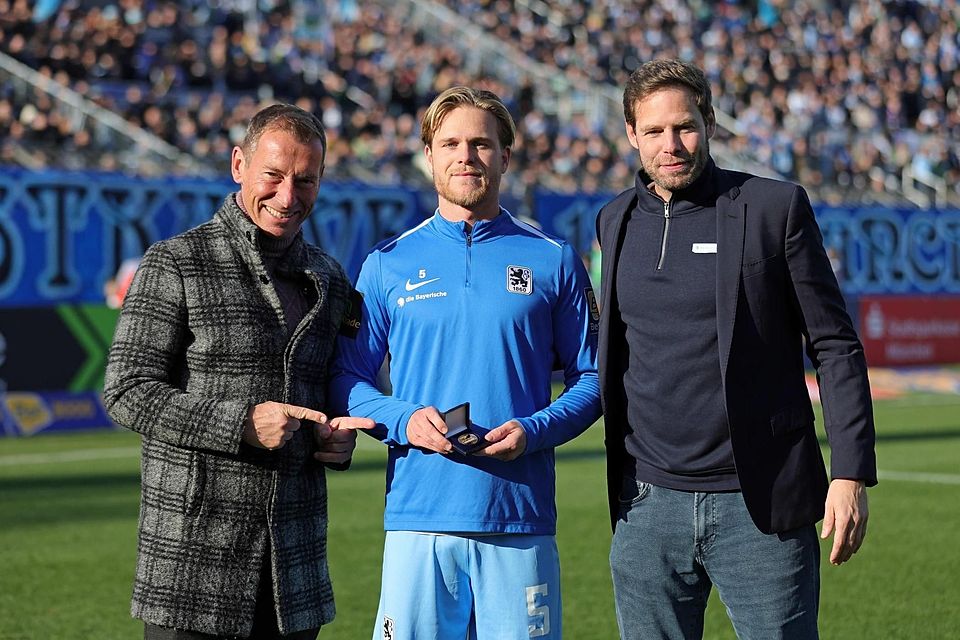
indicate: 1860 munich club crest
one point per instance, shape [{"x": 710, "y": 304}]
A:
[{"x": 519, "y": 280}]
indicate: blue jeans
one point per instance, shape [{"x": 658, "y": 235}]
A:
[{"x": 670, "y": 547}]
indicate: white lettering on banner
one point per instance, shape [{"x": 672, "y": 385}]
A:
[
  {"x": 915, "y": 351},
  {"x": 923, "y": 328}
]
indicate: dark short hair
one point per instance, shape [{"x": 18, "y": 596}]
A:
[
  {"x": 654, "y": 75},
  {"x": 302, "y": 125},
  {"x": 467, "y": 97}
]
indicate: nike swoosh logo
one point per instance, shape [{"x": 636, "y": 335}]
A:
[{"x": 411, "y": 287}]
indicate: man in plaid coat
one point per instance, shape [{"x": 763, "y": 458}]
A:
[{"x": 220, "y": 361}]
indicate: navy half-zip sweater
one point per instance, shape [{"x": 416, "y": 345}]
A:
[{"x": 666, "y": 290}]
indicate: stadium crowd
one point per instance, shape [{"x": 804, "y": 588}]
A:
[
  {"x": 827, "y": 93},
  {"x": 841, "y": 96}
]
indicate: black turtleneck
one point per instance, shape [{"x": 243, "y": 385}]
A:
[
  {"x": 295, "y": 296},
  {"x": 666, "y": 291}
]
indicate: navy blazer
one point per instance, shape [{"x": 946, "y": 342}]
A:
[{"x": 776, "y": 292}]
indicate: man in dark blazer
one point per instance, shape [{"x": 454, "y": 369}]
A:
[
  {"x": 220, "y": 362},
  {"x": 713, "y": 282}
]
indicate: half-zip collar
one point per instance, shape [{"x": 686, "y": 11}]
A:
[
  {"x": 461, "y": 232},
  {"x": 481, "y": 231},
  {"x": 696, "y": 197},
  {"x": 702, "y": 193}
]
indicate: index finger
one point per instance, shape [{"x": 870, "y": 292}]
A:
[
  {"x": 303, "y": 413},
  {"x": 352, "y": 423}
]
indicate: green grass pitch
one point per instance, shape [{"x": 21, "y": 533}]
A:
[{"x": 68, "y": 515}]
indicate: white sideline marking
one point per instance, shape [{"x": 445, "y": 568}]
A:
[
  {"x": 69, "y": 456},
  {"x": 914, "y": 476},
  {"x": 940, "y": 400},
  {"x": 364, "y": 443}
]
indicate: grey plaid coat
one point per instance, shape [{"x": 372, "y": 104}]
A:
[{"x": 201, "y": 339}]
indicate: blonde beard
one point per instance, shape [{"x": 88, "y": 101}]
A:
[{"x": 466, "y": 200}]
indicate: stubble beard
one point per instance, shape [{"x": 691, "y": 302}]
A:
[{"x": 673, "y": 183}]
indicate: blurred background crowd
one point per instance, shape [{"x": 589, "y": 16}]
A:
[{"x": 854, "y": 99}]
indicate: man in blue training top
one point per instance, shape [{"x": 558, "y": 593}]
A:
[{"x": 472, "y": 305}]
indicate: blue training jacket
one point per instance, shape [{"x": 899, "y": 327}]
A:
[{"x": 481, "y": 316}]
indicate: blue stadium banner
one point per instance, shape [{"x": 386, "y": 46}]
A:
[
  {"x": 572, "y": 217},
  {"x": 24, "y": 413},
  {"x": 63, "y": 235},
  {"x": 875, "y": 250},
  {"x": 892, "y": 251}
]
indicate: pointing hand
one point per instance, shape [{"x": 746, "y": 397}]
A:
[{"x": 270, "y": 425}]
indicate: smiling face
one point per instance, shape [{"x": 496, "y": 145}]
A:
[
  {"x": 672, "y": 137},
  {"x": 467, "y": 160},
  {"x": 279, "y": 181}
]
